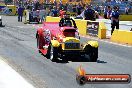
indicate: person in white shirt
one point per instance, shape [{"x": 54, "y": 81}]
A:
[
  {"x": 42, "y": 15},
  {"x": 127, "y": 10}
]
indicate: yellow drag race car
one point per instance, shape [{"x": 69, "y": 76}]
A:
[{"x": 64, "y": 42}]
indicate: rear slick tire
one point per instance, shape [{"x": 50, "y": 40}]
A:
[{"x": 38, "y": 42}]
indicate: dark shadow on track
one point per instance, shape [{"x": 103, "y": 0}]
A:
[
  {"x": 62, "y": 61},
  {"x": 2, "y": 26},
  {"x": 79, "y": 60},
  {"x": 99, "y": 61},
  {"x": 56, "y": 61},
  {"x": 65, "y": 60}
]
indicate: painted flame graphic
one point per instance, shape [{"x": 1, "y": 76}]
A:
[{"x": 81, "y": 71}]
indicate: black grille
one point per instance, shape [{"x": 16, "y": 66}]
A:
[{"x": 72, "y": 45}]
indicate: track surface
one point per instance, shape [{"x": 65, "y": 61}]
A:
[{"x": 18, "y": 47}]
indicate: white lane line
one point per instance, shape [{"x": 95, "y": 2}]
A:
[
  {"x": 9, "y": 78},
  {"x": 107, "y": 41}
]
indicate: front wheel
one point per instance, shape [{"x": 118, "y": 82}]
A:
[
  {"x": 53, "y": 53},
  {"x": 93, "y": 54}
]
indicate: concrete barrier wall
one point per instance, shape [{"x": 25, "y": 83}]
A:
[
  {"x": 122, "y": 36},
  {"x": 52, "y": 19},
  {"x": 125, "y": 17},
  {"x": 82, "y": 26},
  {"x": 102, "y": 30}
]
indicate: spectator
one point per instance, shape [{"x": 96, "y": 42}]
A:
[
  {"x": 105, "y": 12},
  {"x": 109, "y": 11},
  {"x": 34, "y": 13},
  {"x": 30, "y": 16},
  {"x": 97, "y": 8},
  {"x": 79, "y": 8},
  {"x": 48, "y": 11},
  {"x": 37, "y": 5},
  {"x": 20, "y": 13},
  {"x": 114, "y": 19},
  {"x": 89, "y": 13},
  {"x": 65, "y": 6},
  {"x": 74, "y": 8},
  {"x": 61, "y": 13},
  {"x": 126, "y": 10},
  {"x": 69, "y": 8},
  {"x": 61, "y": 6},
  {"x": 37, "y": 13},
  {"x": 42, "y": 14},
  {"x": 55, "y": 12}
]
